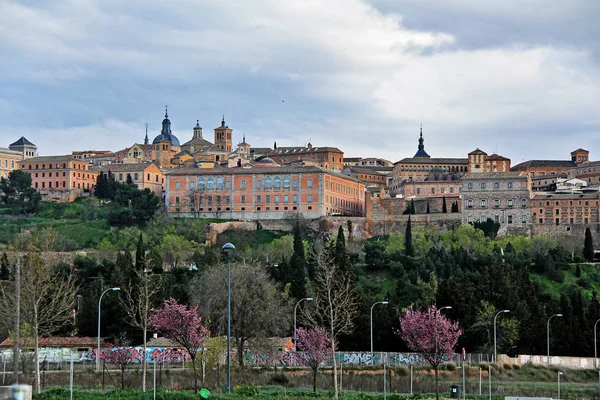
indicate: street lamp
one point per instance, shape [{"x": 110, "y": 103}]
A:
[
  {"x": 227, "y": 249},
  {"x": 78, "y": 302},
  {"x": 379, "y": 302},
  {"x": 548, "y": 333},
  {"x": 595, "y": 346},
  {"x": 295, "y": 309},
  {"x": 114, "y": 289},
  {"x": 559, "y": 374},
  {"x": 495, "y": 351}
]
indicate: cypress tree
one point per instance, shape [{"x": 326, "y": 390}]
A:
[
  {"x": 4, "y": 268},
  {"x": 427, "y": 208},
  {"x": 444, "y": 209},
  {"x": 408, "y": 245},
  {"x": 412, "y": 206},
  {"x": 297, "y": 268},
  {"x": 340, "y": 255},
  {"x": 588, "y": 246},
  {"x": 156, "y": 261},
  {"x": 140, "y": 254},
  {"x": 129, "y": 181}
]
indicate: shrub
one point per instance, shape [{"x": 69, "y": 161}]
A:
[
  {"x": 280, "y": 379},
  {"x": 247, "y": 390},
  {"x": 450, "y": 366}
]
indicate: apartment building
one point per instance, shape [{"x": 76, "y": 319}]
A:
[
  {"x": 565, "y": 208},
  {"x": 145, "y": 175}
]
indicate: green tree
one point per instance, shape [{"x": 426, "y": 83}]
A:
[
  {"x": 175, "y": 249},
  {"x": 408, "y": 245},
  {"x": 140, "y": 254},
  {"x": 444, "y": 208},
  {"x": 4, "y": 268},
  {"x": 298, "y": 266},
  {"x": 428, "y": 211},
  {"x": 588, "y": 246},
  {"x": 340, "y": 256},
  {"x": 17, "y": 193}
]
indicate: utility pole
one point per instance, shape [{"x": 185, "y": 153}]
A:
[{"x": 17, "y": 339}]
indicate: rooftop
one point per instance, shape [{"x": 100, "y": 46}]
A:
[
  {"x": 544, "y": 163},
  {"x": 423, "y": 160},
  {"x": 494, "y": 175}
]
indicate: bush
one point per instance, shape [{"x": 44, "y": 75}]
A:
[
  {"x": 247, "y": 390},
  {"x": 280, "y": 379},
  {"x": 450, "y": 366}
]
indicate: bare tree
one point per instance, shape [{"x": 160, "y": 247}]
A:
[
  {"x": 137, "y": 301},
  {"x": 47, "y": 294},
  {"x": 196, "y": 199},
  {"x": 258, "y": 308},
  {"x": 334, "y": 306}
]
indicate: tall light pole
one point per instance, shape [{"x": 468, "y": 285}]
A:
[
  {"x": 374, "y": 304},
  {"x": 114, "y": 289},
  {"x": 295, "y": 309},
  {"x": 595, "y": 346},
  {"x": 559, "y": 374},
  {"x": 548, "y": 333},
  {"x": 495, "y": 351},
  {"x": 227, "y": 249}
]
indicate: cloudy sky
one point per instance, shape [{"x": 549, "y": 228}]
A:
[{"x": 519, "y": 76}]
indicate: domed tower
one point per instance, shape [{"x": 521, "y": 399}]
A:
[
  {"x": 223, "y": 136},
  {"x": 166, "y": 145}
]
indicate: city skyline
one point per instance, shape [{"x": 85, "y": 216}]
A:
[{"x": 523, "y": 81}]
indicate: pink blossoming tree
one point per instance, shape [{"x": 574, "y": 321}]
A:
[
  {"x": 120, "y": 356},
  {"x": 430, "y": 334},
  {"x": 314, "y": 347},
  {"x": 182, "y": 325}
]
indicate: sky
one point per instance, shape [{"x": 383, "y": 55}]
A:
[{"x": 516, "y": 77}]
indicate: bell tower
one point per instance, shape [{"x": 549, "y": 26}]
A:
[{"x": 223, "y": 136}]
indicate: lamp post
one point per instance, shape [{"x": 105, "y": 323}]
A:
[
  {"x": 374, "y": 304},
  {"x": 295, "y": 309},
  {"x": 78, "y": 302},
  {"x": 595, "y": 346},
  {"x": 548, "y": 333},
  {"x": 227, "y": 249},
  {"x": 559, "y": 374},
  {"x": 114, "y": 289},
  {"x": 495, "y": 348}
]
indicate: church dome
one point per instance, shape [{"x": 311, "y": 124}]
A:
[
  {"x": 267, "y": 162},
  {"x": 165, "y": 133}
]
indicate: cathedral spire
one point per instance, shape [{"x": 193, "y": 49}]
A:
[
  {"x": 166, "y": 113},
  {"x": 421, "y": 149},
  {"x": 146, "y": 138},
  {"x": 223, "y": 121}
]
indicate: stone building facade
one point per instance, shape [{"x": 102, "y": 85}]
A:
[
  {"x": 144, "y": 175},
  {"x": 501, "y": 196},
  {"x": 565, "y": 208}
]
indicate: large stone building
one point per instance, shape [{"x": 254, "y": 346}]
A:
[
  {"x": 503, "y": 197},
  {"x": 59, "y": 178},
  {"x": 266, "y": 190},
  {"x": 330, "y": 158},
  {"x": 588, "y": 171},
  {"x": 565, "y": 208},
  {"x": 553, "y": 167},
  {"x": 144, "y": 175},
  {"x": 17, "y": 151}
]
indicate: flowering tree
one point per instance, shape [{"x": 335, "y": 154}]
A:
[
  {"x": 315, "y": 347},
  {"x": 431, "y": 335},
  {"x": 182, "y": 325}
]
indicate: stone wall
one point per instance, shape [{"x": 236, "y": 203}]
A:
[
  {"x": 569, "y": 236},
  {"x": 556, "y": 361}
]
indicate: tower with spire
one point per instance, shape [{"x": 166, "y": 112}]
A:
[
  {"x": 146, "y": 138},
  {"x": 223, "y": 136},
  {"x": 421, "y": 151}
]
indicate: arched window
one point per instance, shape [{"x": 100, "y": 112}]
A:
[
  {"x": 219, "y": 183},
  {"x": 201, "y": 183},
  {"x": 277, "y": 182},
  {"x": 268, "y": 182},
  {"x": 286, "y": 181},
  {"x": 210, "y": 183}
]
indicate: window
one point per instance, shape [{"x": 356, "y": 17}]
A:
[
  {"x": 121, "y": 176},
  {"x": 276, "y": 198},
  {"x": 483, "y": 218},
  {"x": 219, "y": 183},
  {"x": 469, "y": 186},
  {"x": 192, "y": 183},
  {"x": 432, "y": 190},
  {"x": 286, "y": 198},
  {"x": 496, "y": 203},
  {"x": 268, "y": 181},
  {"x": 295, "y": 198},
  {"x": 277, "y": 182},
  {"x": 295, "y": 184},
  {"x": 259, "y": 198},
  {"x": 210, "y": 183},
  {"x": 286, "y": 181},
  {"x": 510, "y": 185},
  {"x": 470, "y": 219},
  {"x": 177, "y": 185},
  {"x": 510, "y": 219},
  {"x": 442, "y": 190},
  {"x": 469, "y": 203},
  {"x": 483, "y": 203},
  {"x": 243, "y": 198},
  {"x": 309, "y": 183},
  {"x": 227, "y": 199},
  {"x": 243, "y": 184},
  {"x": 523, "y": 202},
  {"x": 496, "y": 185},
  {"x": 483, "y": 185},
  {"x": 268, "y": 198},
  {"x": 177, "y": 199},
  {"x": 418, "y": 190},
  {"x": 309, "y": 199},
  {"x": 201, "y": 183},
  {"x": 227, "y": 184},
  {"x": 524, "y": 219},
  {"x": 136, "y": 176},
  {"x": 510, "y": 203},
  {"x": 497, "y": 219},
  {"x": 451, "y": 190},
  {"x": 258, "y": 184}
]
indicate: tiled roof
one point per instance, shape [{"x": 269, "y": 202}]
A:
[
  {"x": 578, "y": 150},
  {"x": 496, "y": 157},
  {"x": 558, "y": 196},
  {"x": 281, "y": 151},
  {"x": 22, "y": 142},
  {"x": 544, "y": 163},
  {"x": 493, "y": 175},
  {"x": 51, "y": 159},
  {"x": 478, "y": 151},
  {"x": 126, "y": 167},
  {"x": 161, "y": 342},
  {"x": 418, "y": 160},
  {"x": 59, "y": 341}
]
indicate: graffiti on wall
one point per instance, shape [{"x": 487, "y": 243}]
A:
[{"x": 159, "y": 355}]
